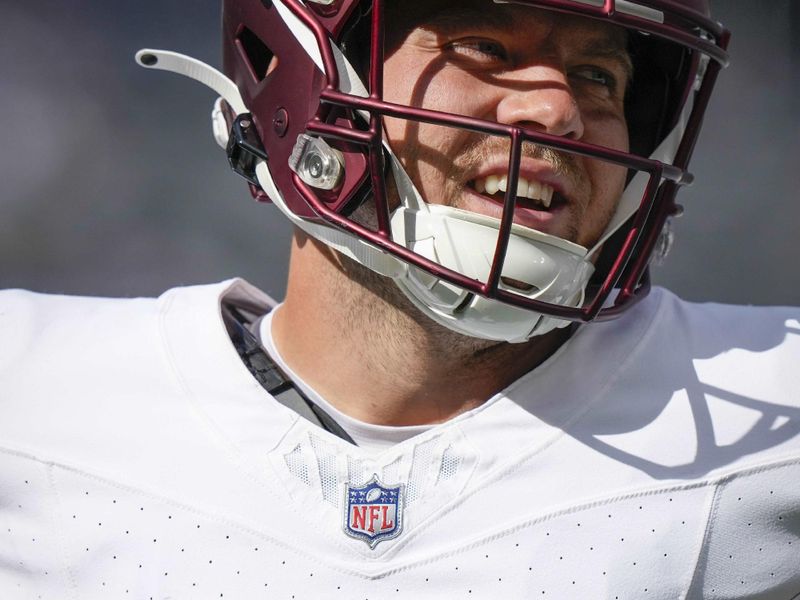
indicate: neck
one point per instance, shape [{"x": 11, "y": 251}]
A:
[{"x": 354, "y": 338}]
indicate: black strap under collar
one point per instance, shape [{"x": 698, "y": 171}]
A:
[{"x": 271, "y": 376}]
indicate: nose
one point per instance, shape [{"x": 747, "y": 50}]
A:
[{"x": 541, "y": 98}]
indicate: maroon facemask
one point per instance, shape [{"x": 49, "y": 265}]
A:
[{"x": 312, "y": 78}]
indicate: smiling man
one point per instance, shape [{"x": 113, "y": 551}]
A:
[
  {"x": 430, "y": 412},
  {"x": 566, "y": 77}
]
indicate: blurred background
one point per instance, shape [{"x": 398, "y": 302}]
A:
[{"x": 111, "y": 183}]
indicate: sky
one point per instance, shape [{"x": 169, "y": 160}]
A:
[{"x": 111, "y": 183}]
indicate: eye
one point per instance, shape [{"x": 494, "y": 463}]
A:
[
  {"x": 595, "y": 75},
  {"x": 478, "y": 49}
]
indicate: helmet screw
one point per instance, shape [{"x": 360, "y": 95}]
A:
[
  {"x": 315, "y": 165},
  {"x": 280, "y": 122}
]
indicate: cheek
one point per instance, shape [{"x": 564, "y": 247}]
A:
[
  {"x": 609, "y": 185},
  {"x": 606, "y": 128},
  {"x": 612, "y": 132},
  {"x": 398, "y": 73},
  {"x": 607, "y": 179},
  {"x": 421, "y": 80},
  {"x": 429, "y": 151}
]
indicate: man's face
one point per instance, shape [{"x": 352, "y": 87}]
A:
[{"x": 554, "y": 73}]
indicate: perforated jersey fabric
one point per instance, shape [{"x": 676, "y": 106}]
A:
[{"x": 656, "y": 456}]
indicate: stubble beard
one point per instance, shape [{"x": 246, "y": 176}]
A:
[{"x": 383, "y": 309}]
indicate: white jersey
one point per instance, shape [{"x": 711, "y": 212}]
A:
[{"x": 656, "y": 456}]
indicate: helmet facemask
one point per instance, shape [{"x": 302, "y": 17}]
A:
[{"x": 484, "y": 275}]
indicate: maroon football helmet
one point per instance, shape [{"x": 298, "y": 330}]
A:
[{"x": 313, "y": 140}]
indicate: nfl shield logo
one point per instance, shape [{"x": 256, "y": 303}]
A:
[{"x": 374, "y": 511}]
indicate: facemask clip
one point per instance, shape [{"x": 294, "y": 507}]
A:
[{"x": 316, "y": 163}]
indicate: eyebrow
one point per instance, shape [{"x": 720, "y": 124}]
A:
[{"x": 606, "y": 46}]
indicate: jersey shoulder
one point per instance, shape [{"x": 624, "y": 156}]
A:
[
  {"x": 678, "y": 390},
  {"x": 748, "y": 347},
  {"x": 59, "y": 330},
  {"x": 81, "y": 366},
  {"x": 761, "y": 325},
  {"x": 64, "y": 356}
]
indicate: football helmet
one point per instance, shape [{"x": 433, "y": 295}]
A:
[{"x": 304, "y": 121}]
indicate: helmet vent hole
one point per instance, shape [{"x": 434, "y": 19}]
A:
[{"x": 260, "y": 60}]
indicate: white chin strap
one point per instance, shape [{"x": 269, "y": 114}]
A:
[{"x": 537, "y": 265}]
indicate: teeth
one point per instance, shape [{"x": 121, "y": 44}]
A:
[
  {"x": 533, "y": 190},
  {"x": 547, "y": 195}
]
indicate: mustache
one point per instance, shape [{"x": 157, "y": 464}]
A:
[{"x": 480, "y": 151}]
